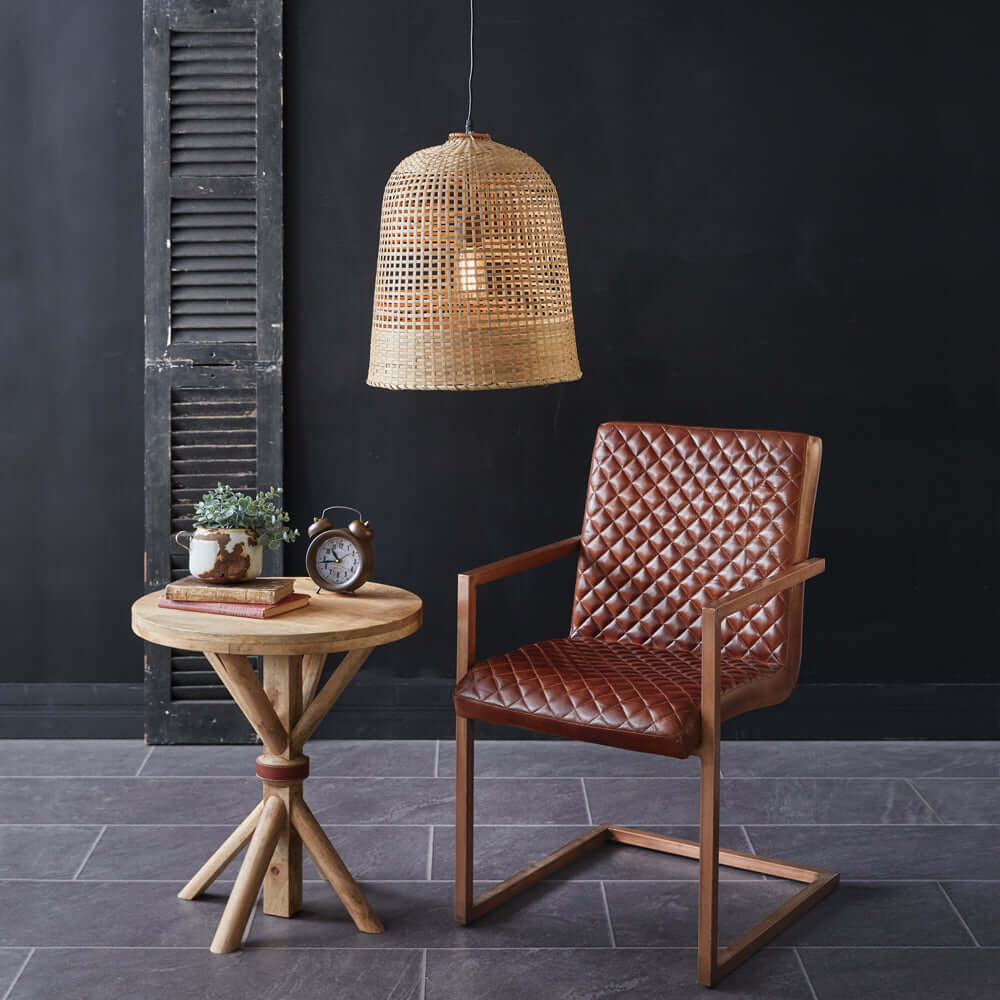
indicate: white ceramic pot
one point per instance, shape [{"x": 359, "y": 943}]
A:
[{"x": 222, "y": 555}]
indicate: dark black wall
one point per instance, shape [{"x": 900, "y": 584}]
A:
[
  {"x": 71, "y": 326},
  {"x": 778, "y": 215}
]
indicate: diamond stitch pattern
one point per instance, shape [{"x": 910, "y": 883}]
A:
[
  {"x": 675, "y": 516},
  {"x": 636, "y": 694}
]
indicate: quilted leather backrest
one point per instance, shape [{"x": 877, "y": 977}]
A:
[{"x": 677, "y": 516}]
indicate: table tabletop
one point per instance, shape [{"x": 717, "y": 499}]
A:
[{"x": 373, "y": 615}]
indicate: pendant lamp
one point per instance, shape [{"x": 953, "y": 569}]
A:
[{"x": 472, "y": 281}]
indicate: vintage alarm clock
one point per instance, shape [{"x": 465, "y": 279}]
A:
[{"x": 340, "y": 559}]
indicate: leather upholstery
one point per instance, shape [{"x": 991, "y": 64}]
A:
[
  {"x": 616, "y": 693},
  {"x": 675, "y": 516}
]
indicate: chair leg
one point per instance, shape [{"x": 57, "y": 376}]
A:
[
  {"x": 465, "y": 772},
  {"x": 708, "y": 867},
  {"x": 713, "y": 965}
]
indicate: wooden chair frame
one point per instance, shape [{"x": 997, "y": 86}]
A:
[{"x": 713, "y": 965}]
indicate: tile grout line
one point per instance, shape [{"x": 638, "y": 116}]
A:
[
  {"x": 753, "y": 850},
  {"x": 916, "y": 791},
  {"x": 253, "y": 916},
  {"x": 501, "y": 777},
  {"x": 145, "y": 761},
  {"x": 693, "y": 822},
  {"x": 586, "y": 801},
  {"x": 430, "y": 855},
  {"x": 607, "y": 913},
  {"x": 958, "y": 913},
  {"x": 179, "y": 882},
  {"x": 86, "y": 857},
  {"x": 505, "y": 947},
  {"x": 802, "y": 968},
  {"x": 10, "y": 989},
  {"x": 423, "y": 975},
  {"x": 437, "y": 758}
]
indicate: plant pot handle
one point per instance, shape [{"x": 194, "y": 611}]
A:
[{"x": 179, "y": 540}]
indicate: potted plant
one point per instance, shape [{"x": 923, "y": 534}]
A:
[{"x": 232, "y": 529}]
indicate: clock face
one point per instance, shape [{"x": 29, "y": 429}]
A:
[{"x": 338, "y": 561}]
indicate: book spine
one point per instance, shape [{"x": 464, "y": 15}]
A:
[
  {"x": 210, "y": 596},
  {"x": 210, "y": 608}
]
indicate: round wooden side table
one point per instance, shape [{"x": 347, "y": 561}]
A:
[{"x": 284, "y": 711}]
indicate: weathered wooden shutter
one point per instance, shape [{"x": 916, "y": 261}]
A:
[{"x": 213, "y": 218}]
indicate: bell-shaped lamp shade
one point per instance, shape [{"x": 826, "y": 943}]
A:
[{"x": 472, "y": 283}]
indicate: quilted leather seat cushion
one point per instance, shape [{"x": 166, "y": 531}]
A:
[{"x": 616, "y": 693}]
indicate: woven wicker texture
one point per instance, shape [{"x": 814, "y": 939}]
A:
[{"x": 472, "y": 285}]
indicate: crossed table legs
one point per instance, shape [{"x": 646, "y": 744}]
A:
[{"x": 285, "y": 712}]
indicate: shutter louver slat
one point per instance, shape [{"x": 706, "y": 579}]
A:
[
  {"x": 216, "y": 82},
  {"x": 202, "y": 441},
  {"x": 213, "y": 254}
]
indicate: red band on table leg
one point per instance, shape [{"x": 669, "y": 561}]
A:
[{"x": 283, "y": 772}]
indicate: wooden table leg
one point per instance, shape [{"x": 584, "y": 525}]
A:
[
  {"x": 281, "y": 823},
  {"x": 244, "y": 895},
  {"x": 335, "y": 871},
  {"x": 216, "y": 864},
  {"x": 283, "y": 881}
]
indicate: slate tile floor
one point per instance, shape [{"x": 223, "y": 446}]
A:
[{"x": 97, "y": 837}]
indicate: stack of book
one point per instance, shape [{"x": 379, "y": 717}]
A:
[{"x": 260, "y": 598}]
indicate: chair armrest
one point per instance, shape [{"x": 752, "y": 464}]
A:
[
  {"x": 469, "y": 580},
  {"x": 712, "y": 615},
  {"x": 522, "y": 561},
  {"x": 761, "y": 592}
]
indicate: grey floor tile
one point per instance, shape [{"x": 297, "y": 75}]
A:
[
  {"x": 963, "y": 800},
  {"x": 880, "y": 914},
  {"x": 107, "y": 914},
  {"x": 421, "y": 915},
  {"x": 665, "y": 914},
  {"x": 177, "y": 852},
  {"x": 886, "y": 852},
  {"x": 198, "y": 761},
  {"x": 331, "y": 758},
  {"x": 979, "y": 905},
  {"x": 859, "y": 759},
  {"x": 903, "y": 973},
  {"x": 127, "y": 800},
  {"x": 62, "y": 758},
  {"x": 252, "y": 974},
  {"x": 375, "y": 758},
  {"x": 11, "y": 962},
  {"x": 500, "y": 851},
  {"x": 635, "y": 801},
  {"x": 600, "y": 974},
  {"x": 564, "y": 758},
  {"x": 432, "y": 800},
  {"x": 44, "y": 851},
  {"x": 883, "y": 914}
]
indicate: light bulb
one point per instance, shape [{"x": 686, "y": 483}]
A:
[{"x": 470, "y": 271}]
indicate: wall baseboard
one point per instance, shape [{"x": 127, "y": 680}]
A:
[{"x": 410, "y": 708}]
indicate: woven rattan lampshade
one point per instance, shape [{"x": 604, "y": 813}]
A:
[{"x": 472, "y": 284}]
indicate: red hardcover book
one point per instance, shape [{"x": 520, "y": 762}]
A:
[{"x": 289, "y": 603}]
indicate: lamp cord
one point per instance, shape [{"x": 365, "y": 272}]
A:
[{"x": 472, "y": 26}]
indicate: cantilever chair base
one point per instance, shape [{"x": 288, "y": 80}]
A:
[{"x": 712, "y": 969}]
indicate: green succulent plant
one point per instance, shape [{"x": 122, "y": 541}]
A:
[{"x": 260, "y": 515}]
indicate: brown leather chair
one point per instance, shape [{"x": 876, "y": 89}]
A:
[{"x": 687, "y": 612}]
